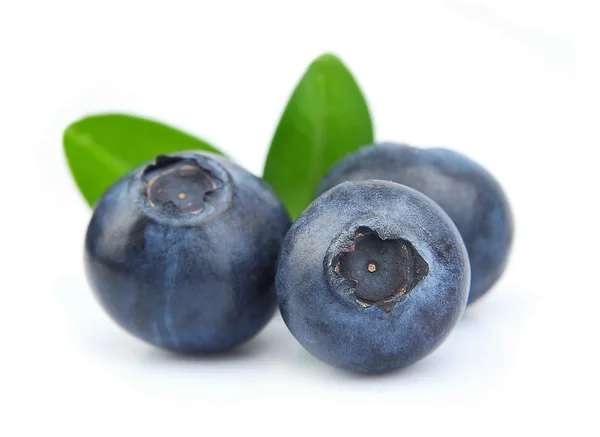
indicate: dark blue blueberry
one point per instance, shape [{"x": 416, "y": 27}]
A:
[
  {"x": 182, "y": 252},
  {"x": 372, "y": 276},
  {"x": 465, "y": 190}
]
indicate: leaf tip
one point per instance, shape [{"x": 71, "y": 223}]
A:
[
  {"x": 69, "y": 132},
  {"x": 327, "y": 58}
]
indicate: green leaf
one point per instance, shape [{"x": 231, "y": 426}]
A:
[
  {"x": 102, "y": 148},
  {"x": 326, "y": 118}
]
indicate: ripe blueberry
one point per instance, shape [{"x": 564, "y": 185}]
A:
[
  {"x": 182, "y": 252},
  {"x": 465, "y": 190},
  {"x": 372, "y": 276}
]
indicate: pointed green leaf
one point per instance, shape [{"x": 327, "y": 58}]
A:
[
  {"x": 326, "y": 118},
  {"x": 102, "y": 148}
]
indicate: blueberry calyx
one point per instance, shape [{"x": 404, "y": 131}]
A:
[
  {"x": 185, "y": 187},
  {"x": 379, "y": 272}
]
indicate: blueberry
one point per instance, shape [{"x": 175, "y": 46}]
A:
[
  {"x": 372, "y": 276},
  {"x": 182, "y": 252},
  {"x": 465, "y": 190}
]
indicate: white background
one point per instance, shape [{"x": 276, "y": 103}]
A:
[{"x": 504, "y": 82}]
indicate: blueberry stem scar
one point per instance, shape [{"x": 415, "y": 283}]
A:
[
  {"x": 380, "y": 271},
  {"x": 179, "y": 185}
]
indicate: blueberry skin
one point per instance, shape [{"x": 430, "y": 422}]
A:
[
  {"x": 190, "y": 277},
  {"x": 465, "y": 190},
  {"x": 318, "y": 305}
]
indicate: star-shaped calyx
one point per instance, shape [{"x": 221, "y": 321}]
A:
[{"x": 381, "y": 271}]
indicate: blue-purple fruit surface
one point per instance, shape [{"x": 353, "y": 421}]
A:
[
  {"x": 372, "y": 276},
  {"x": 464, "y": 189},
  {"x": 182, "y": 252}
]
